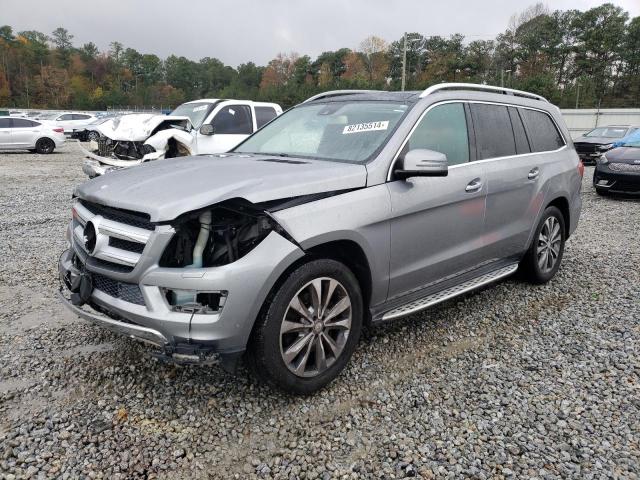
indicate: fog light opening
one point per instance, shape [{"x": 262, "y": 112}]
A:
[{"x": 190, "y": 301}]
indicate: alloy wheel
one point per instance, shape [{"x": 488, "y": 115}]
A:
[
  {"x": 549, "y": 242},
  {"x": 315, "y": 327}
]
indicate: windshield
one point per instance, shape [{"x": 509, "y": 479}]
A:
[
  {"x": 342, "y": 131},
  {"x": 196, "y": 112},
  {"x": 608, "y": 132}
]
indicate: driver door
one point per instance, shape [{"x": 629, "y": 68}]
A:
[
  {"x": 232, "y": 124},
  {"x": 437, "y": 222}
]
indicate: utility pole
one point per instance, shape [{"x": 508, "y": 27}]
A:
[
  {"x": 578, "y": 96},
  {"x": 404, "y": 60}
]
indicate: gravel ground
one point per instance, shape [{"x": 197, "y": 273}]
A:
[{"x": 512, "y": 381}]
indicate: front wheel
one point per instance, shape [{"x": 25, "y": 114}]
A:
[
  {"x": 542, "y": 260},
  {"x": 93, "y": 136},
  {"x": 45, "y": 146},
  {"x": 309, "y": 328}
]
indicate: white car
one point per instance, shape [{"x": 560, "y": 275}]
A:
[
  {"x": 199, "y": 127},
  {"x": 71, "y": 121},
  {"x": 24, "y": 134}
]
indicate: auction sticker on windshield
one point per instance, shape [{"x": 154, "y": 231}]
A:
[{"x": 365, "y": 127}]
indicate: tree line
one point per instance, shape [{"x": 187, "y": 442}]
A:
[{"x": 587, "y": 57}]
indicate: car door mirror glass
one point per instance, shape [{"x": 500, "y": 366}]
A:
[
  {"x": 207, "y": 129},
  {"x": 421, "y": 162}
]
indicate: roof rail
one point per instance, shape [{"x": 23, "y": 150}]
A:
[
  {"x": 485, "y": 88},
  {"x": 337, "y": 93}
]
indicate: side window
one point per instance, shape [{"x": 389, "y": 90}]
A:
[
  {"x": 443, "y": 129},
  {"x": 22, "y": 123},
  {"x": 522, "y": 144},
  {"x": 233, "y": 119},
  {"x": 494, "y": 135},
  {"x": 542, "y": 132},
  {"x": 66, "y": 116},
  {"x": 264, "y": 115},
  {"x": 5, "y": 123},
  {"x": 80, "y": 116}
]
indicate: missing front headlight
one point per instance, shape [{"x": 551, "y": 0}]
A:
[{"x": 217, "y": 236}]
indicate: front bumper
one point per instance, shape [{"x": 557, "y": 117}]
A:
[
  {"x": 246, "y": 283},
  {"x": 93, "y": 168},
  {"x": 616, "y": 182}
]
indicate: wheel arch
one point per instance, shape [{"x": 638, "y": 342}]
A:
[
  {"x": 562, "y": 203},
  {"x": 347, "y": 251}
]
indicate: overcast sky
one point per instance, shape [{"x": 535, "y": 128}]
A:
[{"x": 237, "y": 31}]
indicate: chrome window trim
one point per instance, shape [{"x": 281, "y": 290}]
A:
[{"x": 484, "y": 160}]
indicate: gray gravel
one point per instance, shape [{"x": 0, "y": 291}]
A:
[{"x": 513, "y": 381}]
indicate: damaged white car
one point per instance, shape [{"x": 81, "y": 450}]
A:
[{"x": 194, "y": 128}]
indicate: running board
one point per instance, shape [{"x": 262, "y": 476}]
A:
[{"x": 441, "y": 296}]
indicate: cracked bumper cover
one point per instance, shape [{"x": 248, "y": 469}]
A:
[{"x": 247, "y": 281}]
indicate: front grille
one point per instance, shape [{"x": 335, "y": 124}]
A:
[
  {"x": 105, "y": 146},
  {"x": 126, "y": 245},
  {"x": 127, "y": 292},
  {"x": 135, "y": 219},
  {"x": 586, "y": 147},
  {"x": 624, "y": 167}
]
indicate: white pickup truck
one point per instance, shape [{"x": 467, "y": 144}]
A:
[{"x": 199, "y": 127}]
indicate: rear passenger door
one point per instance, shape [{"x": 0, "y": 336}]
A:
[
  {"x": 24, "y": 133},
  {"x": 437, "y": 222},
  {"x": 5, "y": 132},
  {"x": 264, "y": 115},
  {"x": 513, "y": 169}
]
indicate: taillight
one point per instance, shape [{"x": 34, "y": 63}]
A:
[
  {"x": 581, "y": 168},
  {"x": 58, "y": 130}
]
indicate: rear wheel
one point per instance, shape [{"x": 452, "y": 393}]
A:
[
  {"x": 45, "y": 145},
  {"x": 542, "y": 260},
  {"x": 309, "y": 328}
]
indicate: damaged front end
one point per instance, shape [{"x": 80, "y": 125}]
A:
[
  {"x": 133, "y": 139},
  {"x": 213, "y": 237},
  {"x": 189, "y": 292}
]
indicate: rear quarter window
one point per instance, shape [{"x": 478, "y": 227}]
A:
[
  {"x": 542, "y": 132},
  {"x": 264, "y": 115}
]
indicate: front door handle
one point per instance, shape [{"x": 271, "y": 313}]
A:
[
  {"x": 474, "y": 185},
  {"x": 533, "y": 173}
]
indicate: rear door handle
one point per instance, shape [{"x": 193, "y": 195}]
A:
[
  {"x": 474, "y": 185},
  {"x": 533, "y": 173}
]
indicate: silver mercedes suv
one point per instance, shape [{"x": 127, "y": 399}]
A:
[{"x": 352, "y": 208}]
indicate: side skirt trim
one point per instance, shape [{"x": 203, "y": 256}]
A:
[{"x": 451, "y": 292}]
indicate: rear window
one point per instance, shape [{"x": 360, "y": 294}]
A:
[
  {"x": 542, "y": 132},
  {"x": 264, "y": 115},
  {"x": 494, "y": 135}
]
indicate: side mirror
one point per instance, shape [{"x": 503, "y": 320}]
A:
[
  {"x": 423, "y": 163},
  {"x": 207, "y": 129}
]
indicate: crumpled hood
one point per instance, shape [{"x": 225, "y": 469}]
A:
[
  {"x": 165, "y": 189},
  {"x": 137, "y": 127}
]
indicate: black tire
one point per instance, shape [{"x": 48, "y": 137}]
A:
[
  {"x": 266, "y": 350},
  {"x": 602, "y": 191},
  {"x": 45, "y": 146},
  {"x": 530, "y": 264}
]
